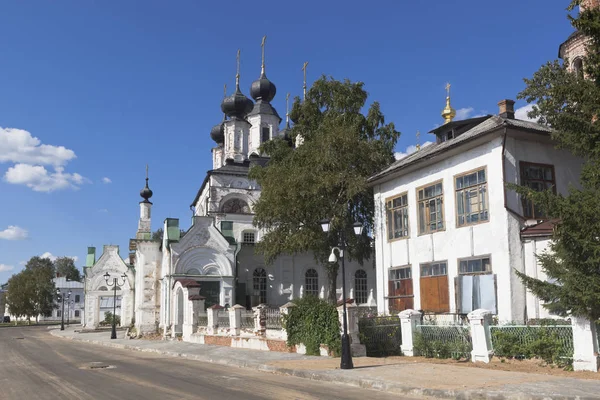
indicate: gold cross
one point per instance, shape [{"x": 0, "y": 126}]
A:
[
  {"x": 418, "y": 136},
  {"x": 448, "y": 89}
]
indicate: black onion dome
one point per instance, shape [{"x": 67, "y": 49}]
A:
[
  {"x": 237, "y": 105},
  {"x": 146, "y": 193},
  {"x": 217, "y": 133},
  {"x": 263, "y": 89}
]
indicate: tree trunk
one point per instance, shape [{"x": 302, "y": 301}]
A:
[{"x": 332, "y": 273}]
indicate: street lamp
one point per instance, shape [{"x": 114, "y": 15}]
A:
[
  {"x": 113, "y": 334},
  {"x": 62, "y": 312},
  {"x": 69, "y": 304},
  {"x": 346, "y": 362}
]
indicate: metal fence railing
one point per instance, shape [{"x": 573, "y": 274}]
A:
[
  {"x": 381, "y": 336},
  {"x": 223, "y": 319},
  {"x": 526, "y": 341},
  {"x": 247, "y": 320},
  {"x": 444, "y": 341},
  {"x": 273, "y": 318},
  {"x": 202, "y": 319}
]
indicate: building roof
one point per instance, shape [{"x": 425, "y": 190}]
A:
[
  {"x": 63, "y": 283},
  {"x": 571, "y": 37},
  {"x": 489, "y": 125},
  {"x": 541, "y": 229},
  {"x": 264, "y": 108}
]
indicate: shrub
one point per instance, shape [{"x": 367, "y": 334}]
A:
[
  {"x": 108, "y": 318},
  {"x": 313, "y": 322},
  {"x": 381, "y": 336},
  {"x": 456, "y": 349}
]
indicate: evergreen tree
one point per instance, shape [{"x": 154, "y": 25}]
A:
[
  {"x": 570, "y": 104},
  {"x": 325, "y": 177}
]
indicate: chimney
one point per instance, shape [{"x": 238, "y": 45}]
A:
[{"x": 507, "y": 109}]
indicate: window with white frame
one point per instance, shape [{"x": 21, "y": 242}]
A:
[
  {"x": 397, "y": 217},
  {"x": 361, "y": 292},
  {"x": 311, "y": 282},
  {"x": 471, "y": 198},
  {"x": 431, "y": 209},
  {"x": 475, "y": 285}
]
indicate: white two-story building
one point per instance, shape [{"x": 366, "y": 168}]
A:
[{"x": 449, "y": 233}]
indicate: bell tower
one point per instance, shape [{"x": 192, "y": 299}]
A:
[{"x": 573, "y": 50}]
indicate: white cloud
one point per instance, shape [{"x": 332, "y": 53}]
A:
[
  {"x": 40, "y": 179},
  {"x": 103, "y": 210},
  {"x": 52, "y": 257},
  {"x": 521, "y": 113},
  {"x": 22, "y": 262},
  {"x": 18, "y": 146},
  {"x": 464, "y": 113},
  {"x": 409, "y": 150},
  {"x": 30, "y": 158},
  {"x": 5, "y": 268},
  {"x": 106, "y": 180},
  {"x": 14, "y": 233}
]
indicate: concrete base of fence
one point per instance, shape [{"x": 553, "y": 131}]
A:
[
  {"x": 251, "y": 342},
  {"x": 585, "y": 343}
]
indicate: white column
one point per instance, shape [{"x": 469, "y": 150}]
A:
[
  {"x": 285, "y": 310},
  {"x": 260, "y": 320},
  {"x": 356, "y": 349},
  {"x": 480, "y": 335},
  {"x": 408, "y": 326},
  {"x": 585, "y": 344},
  {"x": 212, "y": 314},
  {"x": 235, "y": 319}
]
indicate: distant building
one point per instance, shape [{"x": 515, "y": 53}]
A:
[{"x": 74, "y": 306}]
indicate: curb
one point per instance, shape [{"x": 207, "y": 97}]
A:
[{"x": 373, "y": 384}]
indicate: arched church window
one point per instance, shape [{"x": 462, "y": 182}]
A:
[
  {"x": 311, "y": 282},
  {"x": 235, "y": 206},
  {"x": 360, "y": 287},
  {"x": 578, "y": 67},
  {"x": 259, "y": 280}
]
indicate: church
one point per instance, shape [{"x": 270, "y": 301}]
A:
[{"x": 217, "y": 253}]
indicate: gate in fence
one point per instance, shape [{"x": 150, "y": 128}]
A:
[{"x": 381, "y": 335}]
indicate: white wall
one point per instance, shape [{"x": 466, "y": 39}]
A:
[{"x": 453, "y": 243}]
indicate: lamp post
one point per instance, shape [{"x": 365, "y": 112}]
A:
[
  {"x": 62, "y": 312},
  {"x": 346, "y": 361},
  {"x": 69, "y": 304},
  {"x": 113, "y": 334}
]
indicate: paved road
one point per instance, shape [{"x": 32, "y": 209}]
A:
[{"x": 36, "y": 365}]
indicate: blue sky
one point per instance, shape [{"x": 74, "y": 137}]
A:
[{"x": 107, "y": 87}]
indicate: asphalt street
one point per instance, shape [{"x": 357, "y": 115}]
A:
[{"x": 36, "y": 365}]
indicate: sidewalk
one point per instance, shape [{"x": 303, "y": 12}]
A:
[{"x": 400, "y": 375}]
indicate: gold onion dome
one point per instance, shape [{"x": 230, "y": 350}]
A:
[{"x": 448, "y": 113}]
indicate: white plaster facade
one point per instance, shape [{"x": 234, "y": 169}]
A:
[
  {"x": 96, "y": 287},
  {"x": 74, "y": 306},
  {"x": 498, "y": 146}
]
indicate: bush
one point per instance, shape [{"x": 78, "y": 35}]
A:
[
  {"x": 531, "y": 342},
  {"x": 455, "y": 349},
  {"x": 313, "y": 322},
  {"x": 381, "y": 336},
  {"x": 108, "y": 319}
]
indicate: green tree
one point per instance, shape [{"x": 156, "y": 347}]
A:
[
  {"x": 39, "y": 273},
  {"x": 325, "y": 177},
  {"x": 65, "y": 266},
  {"x": 158, "y": 234},
  {"x": 570, "y": 103},
  {"x": 18, "y": 299}
]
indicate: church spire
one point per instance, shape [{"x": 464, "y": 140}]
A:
[
  {"x": 287, "y": 110},
  {"x": 146, "y": 193},
  {"x": 448, "y": 113}
]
